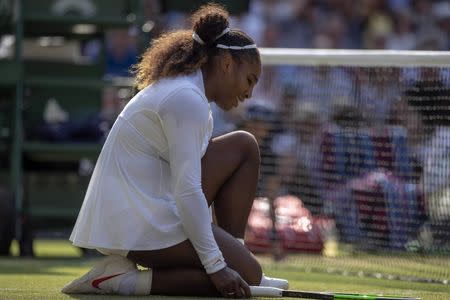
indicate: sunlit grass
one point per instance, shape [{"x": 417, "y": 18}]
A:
[{"x": 58, "y": 263}]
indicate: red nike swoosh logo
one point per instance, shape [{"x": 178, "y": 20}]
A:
[{"x": 97, "y": 281}]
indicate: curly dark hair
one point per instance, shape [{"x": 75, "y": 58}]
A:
[{"x": 176, "y": 53}]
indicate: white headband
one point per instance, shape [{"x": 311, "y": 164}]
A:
[
  {"x": 199, "y": 40},
  {"x": 252, "y": 46}
]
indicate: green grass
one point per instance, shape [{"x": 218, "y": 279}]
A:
[{"x": 59, "y": 263}]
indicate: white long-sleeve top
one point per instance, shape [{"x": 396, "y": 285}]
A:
[{"x": 145, "y": 192}]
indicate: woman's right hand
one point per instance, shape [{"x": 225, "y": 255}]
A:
[{"x": 230, "y": 284}]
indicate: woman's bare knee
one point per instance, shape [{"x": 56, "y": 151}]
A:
[{"x": 248, "y": 145}]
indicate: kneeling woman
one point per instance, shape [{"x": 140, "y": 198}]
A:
[{"x": 159, "y": 171}]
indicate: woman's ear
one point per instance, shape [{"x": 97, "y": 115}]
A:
[{"x": 226, "y": 63}]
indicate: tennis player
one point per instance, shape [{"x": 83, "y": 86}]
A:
[{"x": 159, "y": 171}]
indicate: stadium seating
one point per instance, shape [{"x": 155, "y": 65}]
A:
[{"x": 43, "y": 171}]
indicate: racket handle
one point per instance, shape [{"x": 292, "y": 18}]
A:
[{"x": 265, "y": 291}]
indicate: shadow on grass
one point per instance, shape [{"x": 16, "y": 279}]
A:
[
  {"x": 152, "y": 297},
  {"x": 45, "y": 265}
]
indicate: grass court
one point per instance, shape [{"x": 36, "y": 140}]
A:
[{"x": 57, "y": 263}]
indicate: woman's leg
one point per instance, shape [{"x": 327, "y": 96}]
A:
[
  {"x": 230, "y": 169},
  {"x": 182, "y": 259},
  {"x": 182, "y": 282}
]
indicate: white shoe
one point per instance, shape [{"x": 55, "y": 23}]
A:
[
  {"x": 274, "y": 282},
  {"x": 103, "y": 278}
]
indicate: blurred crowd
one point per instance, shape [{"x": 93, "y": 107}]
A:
[
  {"x": 342, "y": 24},
  {"x": 330, "y": 24}
]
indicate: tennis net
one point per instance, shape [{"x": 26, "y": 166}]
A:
[{"x": 362, "y": 138}]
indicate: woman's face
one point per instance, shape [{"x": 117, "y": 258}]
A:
[{"x": 235, "y": 82}]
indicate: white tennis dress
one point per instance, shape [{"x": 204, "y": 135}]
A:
[{"x": 145, "y": 192}]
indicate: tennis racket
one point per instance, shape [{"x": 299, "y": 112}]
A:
[{"x": 261, "y": 291}]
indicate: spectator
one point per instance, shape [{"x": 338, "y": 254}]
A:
[
  {"x": 121, "y": 52},
  {"x": 260, "y": 120},
  {"x": 423, "y": 16},
  {"x": 430, "y": 96},
  {"x": 336, "y": 30},
  {"x": 399, "y": 5},
  {"x": 441, "y": 11},
  {"x": 369, "y": 189},
  {"x": 288, "y": 102},
  {"x": 375, "y": 90},
  {"x": 297, "y": 149},
  {"x": 402, "y": 36},
  {"x": 299, "y": 31},
  {"x": 379, "y": 27},
  {"x": 408, "y": 117},
  {"x": 273, "y": 10},
  {"x": 323, "y": 84},
  {"x": 352, "y": 21}
]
